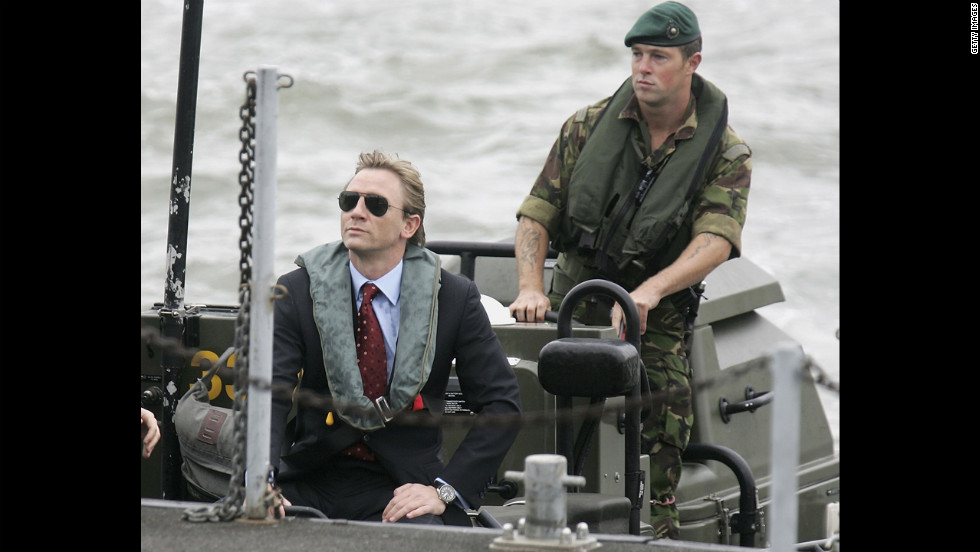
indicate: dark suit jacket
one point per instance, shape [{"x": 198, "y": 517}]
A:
[{"x": 410, "y": 453}]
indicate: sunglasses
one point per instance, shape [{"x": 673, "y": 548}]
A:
[{"x": 377, "y": 205}]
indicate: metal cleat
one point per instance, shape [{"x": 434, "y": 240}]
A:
[{"x": 544, "y": 528}]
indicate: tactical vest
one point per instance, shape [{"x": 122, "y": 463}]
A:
[
  {"x": 624, "y": 221},
  {"x": 330, "y": 288}
]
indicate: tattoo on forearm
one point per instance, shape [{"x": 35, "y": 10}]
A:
[
  {"x": 531, "y": 240},
  {"x": 705, "y": 243}
]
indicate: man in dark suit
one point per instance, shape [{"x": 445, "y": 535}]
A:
[{"x": 363, "y": 457}]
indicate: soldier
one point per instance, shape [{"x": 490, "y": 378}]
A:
[{"x": 646, "y": 188}]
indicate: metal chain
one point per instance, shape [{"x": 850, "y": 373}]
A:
[
  {"x": 246, "y": 178},
  {"x": 821, "y": 377},
  {"x": 231, "y": 506}
]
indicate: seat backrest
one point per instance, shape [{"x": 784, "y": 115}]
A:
[{"x": 584, "y": 367}]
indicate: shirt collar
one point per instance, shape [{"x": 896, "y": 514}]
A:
[{"x": 389, "y": 284}]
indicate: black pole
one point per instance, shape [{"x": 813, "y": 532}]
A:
[{"x": 171, "y": 318}]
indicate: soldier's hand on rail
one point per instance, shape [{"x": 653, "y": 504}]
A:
[
  {"x": 644, "y": 300},
  {"x": 530, "y": 306}
]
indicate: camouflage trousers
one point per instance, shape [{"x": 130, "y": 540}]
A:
[{"x": 667, "y": 429}]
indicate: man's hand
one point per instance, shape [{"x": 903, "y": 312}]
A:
[
  {"x": 150, "y": 430},
  {"x": 413, "y": 500},
  {"x": 645, "y": 300},
  {"x": 530, "y": 306},
  {"x": 283, "y": 502},
  {"x": 275, "y": 512}
]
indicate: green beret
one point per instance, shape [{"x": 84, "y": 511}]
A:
[{"x": 667, "y": 24}]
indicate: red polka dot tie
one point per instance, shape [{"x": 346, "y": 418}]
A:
[
  {"x": 370, "y": 358},
  {"x": 371, "y": 346}
]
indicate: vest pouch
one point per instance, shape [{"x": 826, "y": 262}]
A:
[
  {"x": 644, "y": 238},
  {"x": 607, "y": 266},
  {"x": 206, "y": 437}
]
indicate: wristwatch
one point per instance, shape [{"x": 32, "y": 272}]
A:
[{"x": 447, "y": 493}]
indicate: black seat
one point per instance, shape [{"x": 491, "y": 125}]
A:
[{"x": 570, "y": 367}]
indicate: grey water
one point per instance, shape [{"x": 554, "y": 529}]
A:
[{"x": 474, "y": 94}]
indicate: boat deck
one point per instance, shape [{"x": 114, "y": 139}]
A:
[{"x": 163, "y": 529}]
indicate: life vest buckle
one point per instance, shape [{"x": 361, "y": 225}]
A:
[{"x": 381, "y": 404}]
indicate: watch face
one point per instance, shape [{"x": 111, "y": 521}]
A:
[{"x": 447, "y": 494}]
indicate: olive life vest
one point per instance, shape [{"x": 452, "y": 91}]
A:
[
  {"x": 614, "y": 227},
  {"x": 330, "y": 288}
]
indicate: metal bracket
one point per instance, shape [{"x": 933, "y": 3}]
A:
[{"x": 751, "y": 403}]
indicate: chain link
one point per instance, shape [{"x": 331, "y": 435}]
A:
[{"x": 231, "y": 506}]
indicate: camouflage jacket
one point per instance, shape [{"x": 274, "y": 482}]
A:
[{"x": 719, "y": 206}]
